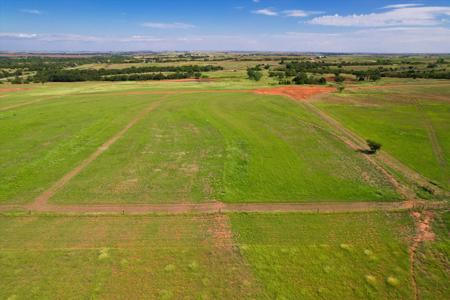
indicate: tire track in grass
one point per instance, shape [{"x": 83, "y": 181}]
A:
[
  {"x": 9, "y": 107},
  {"x": 434, "y": 141},
  {"x": 41, "y": 200},
  {"x": 348, "y": 138},
  {"x": 383, "y": 159}
]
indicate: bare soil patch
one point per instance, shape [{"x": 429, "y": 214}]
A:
[
  {"x": 424, "y": 232},
  {"x": 15, "y": 89},
  {"x": 189, "y": 80},
  {"x": 295, "y": 92}
]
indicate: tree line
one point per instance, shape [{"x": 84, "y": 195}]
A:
[{"x": 133, "y": 73}]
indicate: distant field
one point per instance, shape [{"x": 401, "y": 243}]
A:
[{"x": 412, "y": 123}]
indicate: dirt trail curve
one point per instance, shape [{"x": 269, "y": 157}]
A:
[{"x": 424, "y": 232}]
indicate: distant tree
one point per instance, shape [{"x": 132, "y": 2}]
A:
[
  {"x": 301, "y": 78},
  {"x": 254, "y": 74},
  {"x": 338, "y": 78},
  {"x": 373, "y": 146},
  {"x": 322, "y": 80},
  {"x": 340, "y": 88},
  {"x": 17, "y": 80}
]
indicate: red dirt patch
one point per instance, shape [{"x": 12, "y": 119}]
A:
[
  {"x": 189, "y": 80},
  {"x": 8, "y": 90},
  {"x": 295, "y": 92}
]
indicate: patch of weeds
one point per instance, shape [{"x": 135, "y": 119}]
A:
[
  {"x": 165, "y": 295},
  {"x": 205, "y": 281},
  {"x": 169, "y": 268},
  {"x": 370, "y": 279},
  {"x": 104, "y": 254},
  {"x": 346, "y": 247},
  {"x": 124, "y": 262},
  {"x": 193, "y": 266},
  {"x": 368, "y": 252},
  {"x": 393, "y": 281}
]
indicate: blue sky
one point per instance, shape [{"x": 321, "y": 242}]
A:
[{"x": 263, "y": 25}]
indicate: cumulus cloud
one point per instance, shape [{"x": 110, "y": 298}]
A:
[
  {"x": 175, "y": 25},
  {"x": 404, "y": 16},
  {"x": 265, "y": 12},
  {"x": 31, "y": 11},
  {"x": 402, "y": 5},
  {"x": 296, "y": 13}
]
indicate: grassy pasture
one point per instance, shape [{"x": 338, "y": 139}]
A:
[
  {"x": 42, "y": 142},
  {"x": 343, "y": 256},
  {"x": 234, "y": 147},
  {"x": 411, "y": 122},
  {"x": 90, "y": 257}
]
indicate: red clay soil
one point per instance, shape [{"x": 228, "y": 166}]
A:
[
  {"x": 424, "y": 232},
  {"x": 189, "y": 80},
  {"x": 8, "y": 90},
  {"x": 295, "y": 92}
]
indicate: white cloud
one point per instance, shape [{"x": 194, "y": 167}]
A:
[
  {"x": 175, "y": 25},
  {"x": 296, "y": 13},
  {"x": 31, "y": 11},
  {"x": 402, "y": 5},
  {"x": 265, "y": 12},
  {"x": 409, "y": 16},
  {"x": 17, "y": 35},
  {"x": 375, "y": 40}
]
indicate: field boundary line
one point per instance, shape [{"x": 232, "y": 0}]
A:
[
  {"x": 220, "y": 207},
  {"x": 43, "y": 198}
]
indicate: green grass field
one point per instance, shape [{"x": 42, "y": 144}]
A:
[
  {"x": 411, "y": 122},
  {"x": 344, "y": 256},
  {"x": 234, "y": 147},
  {"x": 263, "y": 256},
  {"x": 98, "y": 257}
]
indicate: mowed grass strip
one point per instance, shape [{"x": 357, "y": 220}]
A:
[
  {"x": 404, "y": 120},
  {"x": 127, "y": 257},
  {"x": 42, "y": 142},
  {"x": 233, "y": 147},
  {"x": 328, "y": 256}
]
